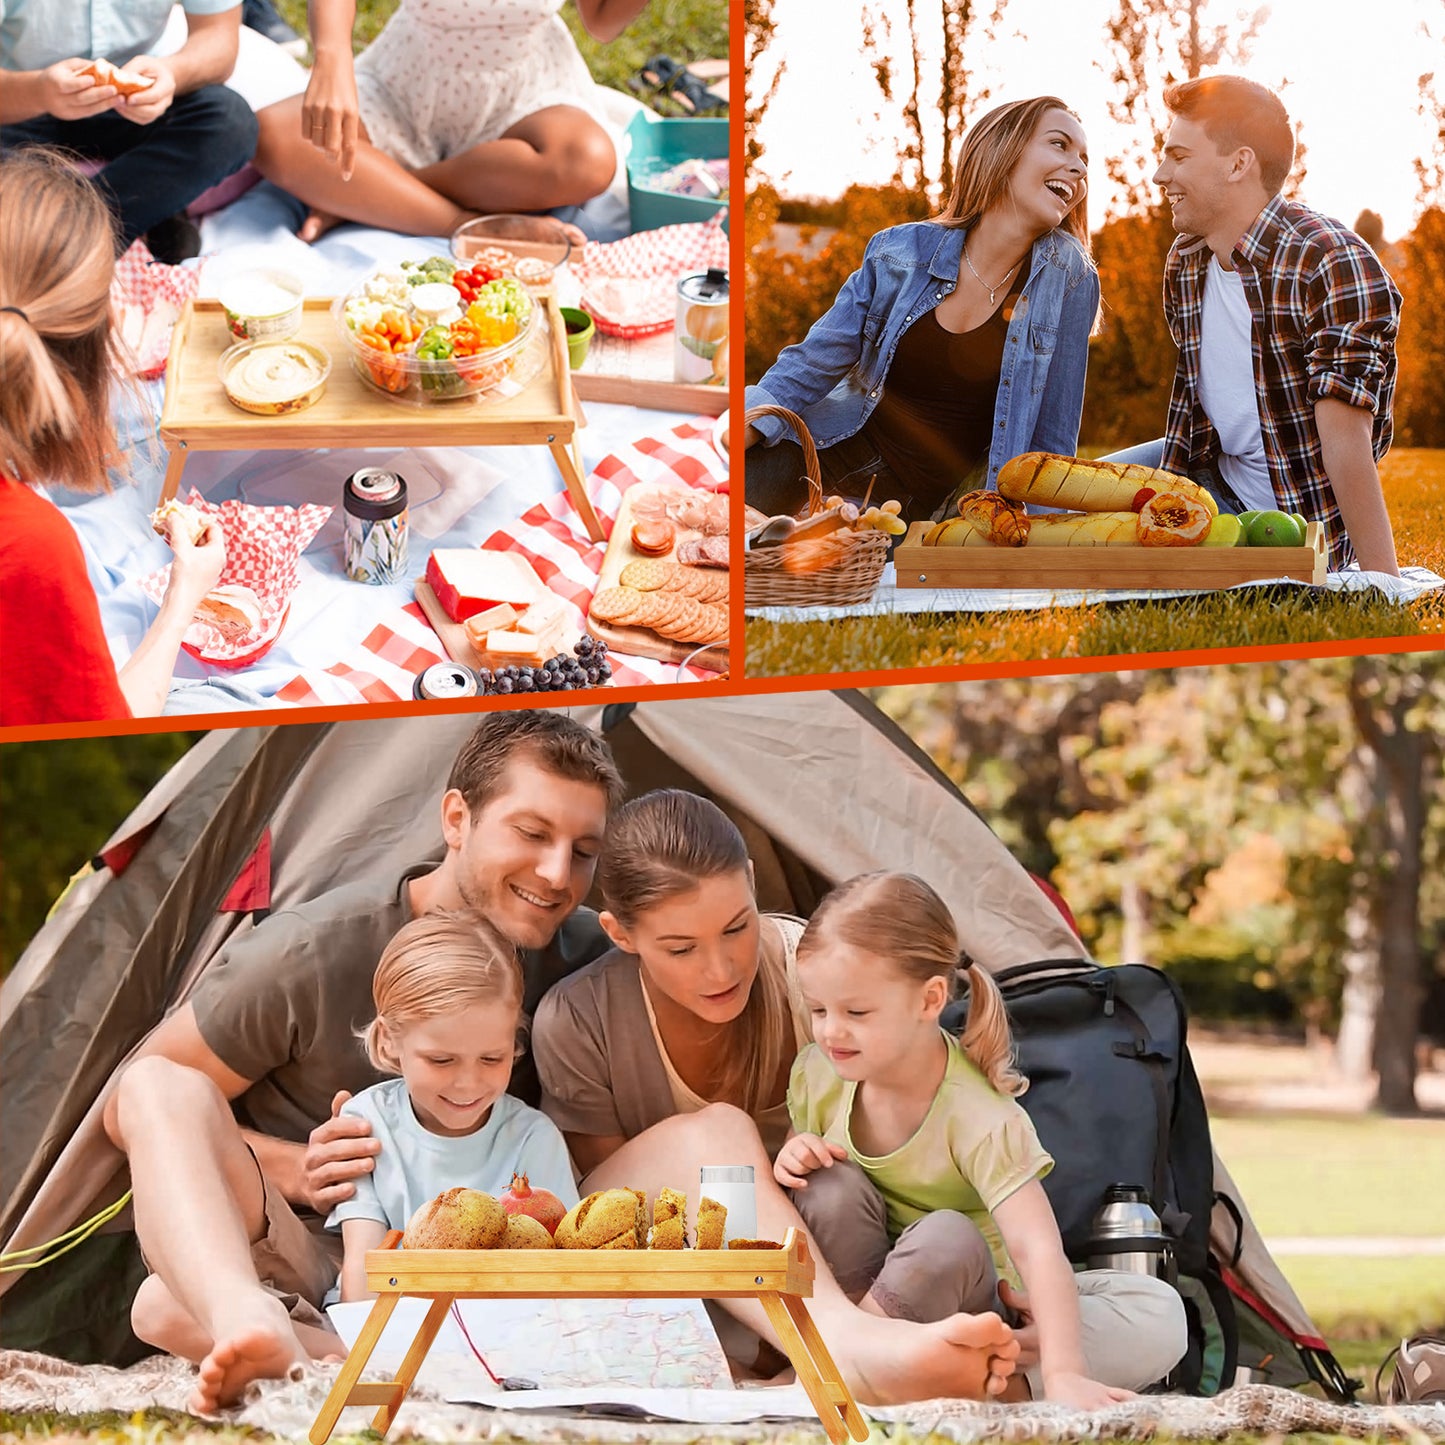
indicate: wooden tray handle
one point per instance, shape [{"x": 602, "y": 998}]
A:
[{"x": 805, "y": 440}]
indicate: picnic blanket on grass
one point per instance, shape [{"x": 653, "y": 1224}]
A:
[
  {"x": 890, "y": 598},
  {"x": 31, "y": 1382}
]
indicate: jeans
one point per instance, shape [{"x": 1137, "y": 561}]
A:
[{"x": 153, "y": 171}]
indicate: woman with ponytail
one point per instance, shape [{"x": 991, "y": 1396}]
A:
[
  {"x": 58, "y": 356},
  {"x": 916, "y": 1170}
]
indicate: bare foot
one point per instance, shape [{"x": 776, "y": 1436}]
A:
[
  {"x": 316, "y": 225},
  {"x": 255, "y": 1353},
  {"x": 968, "y": 1357}
]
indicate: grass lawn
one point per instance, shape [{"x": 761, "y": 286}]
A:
[
  {"x": 1414, "y": 482},
  {"x": 683, "y": 29}
]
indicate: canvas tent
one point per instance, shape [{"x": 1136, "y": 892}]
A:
[{"x": 822, "y": 784}]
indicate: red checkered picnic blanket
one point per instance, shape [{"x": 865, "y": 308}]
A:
[
  {"x": 630, "y": 286},
  {"x": 552, "y": 538}
]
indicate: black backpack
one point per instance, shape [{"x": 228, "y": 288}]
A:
[{"x": 1114, "y": 1098}]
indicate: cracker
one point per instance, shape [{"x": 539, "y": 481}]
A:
[
  {"x": 714, "y": 627},
  {"x": 646, "y": 574},
  {"x": 657, "y": 610},
  {"x": 684, "y": 627},
  {"x": 615, "y": 604}
]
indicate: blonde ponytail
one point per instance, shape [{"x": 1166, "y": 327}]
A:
[
  {"x": 57, "y": 348},
  {"x": 986, "y": 1037},
  {"x": 898, "y": 917}
]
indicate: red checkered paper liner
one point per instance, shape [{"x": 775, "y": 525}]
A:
[
  {"x": 630, "y": 286},
  {"x": 263, "y": 552},
  {"x": 146, "y": 298},
  {"x": 550, "y": 535}
]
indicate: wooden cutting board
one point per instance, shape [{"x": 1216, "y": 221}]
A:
[
  {"x": 454, "y": 636},
  {"x": 643, "y": 641},
  {"x": 1105, "y": 567}
]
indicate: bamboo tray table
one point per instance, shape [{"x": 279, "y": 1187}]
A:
[
  {"x": 779, "y": 1278},
  {"x": 1104, "y": 568},
  {"x": 197, "y": 415}
]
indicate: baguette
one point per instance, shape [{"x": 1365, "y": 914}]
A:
[
  {"x": 1000, "y": 520},
  {"x": 1085, "y": 529},
  {"x": 1050, "y": 480}
]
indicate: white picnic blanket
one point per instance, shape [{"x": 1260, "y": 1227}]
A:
[{"x": 890, "y": 598}]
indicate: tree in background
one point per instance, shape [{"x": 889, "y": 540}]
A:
[{"x": 1272, "y": 834}]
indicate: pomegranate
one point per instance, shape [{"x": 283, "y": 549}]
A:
[{"x": 541, "y": 1204}]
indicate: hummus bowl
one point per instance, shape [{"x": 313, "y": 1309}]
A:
[{"x": 272, "y": 378}]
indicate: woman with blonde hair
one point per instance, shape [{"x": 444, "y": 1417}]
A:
[
  {"x": 58, "y": 357},
  {"x": 916, "y": 1170},
  {"x": 959, "y": 343},
  {"x": 674, "y": 1050}
]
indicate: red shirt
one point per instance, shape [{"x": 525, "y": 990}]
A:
[{"x": 54, "y": 662}]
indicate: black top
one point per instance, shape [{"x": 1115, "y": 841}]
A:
[{"x": 934, "y": 421}]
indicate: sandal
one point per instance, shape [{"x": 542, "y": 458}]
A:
[{"x": 692, "y": 95}]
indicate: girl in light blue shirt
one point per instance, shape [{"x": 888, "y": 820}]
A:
[
  {"x": 959, "y": 343},
  {"x": 448, "y": 994}
]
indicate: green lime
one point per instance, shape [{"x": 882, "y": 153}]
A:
[
  {"x": 1224, "y": 531},
  {"x": 1275, "y": 529},
  {"x": 1245, "y": 518}
]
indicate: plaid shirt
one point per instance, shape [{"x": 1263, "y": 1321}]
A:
[{"x": 1325, "y": 315}]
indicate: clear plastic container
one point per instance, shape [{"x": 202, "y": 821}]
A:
[
  {"x": 423, "y": 380},
  {"x": 262, "y": 303},
  {"x": 531, "y": 247},
  {"x": 272, "y": 378}
]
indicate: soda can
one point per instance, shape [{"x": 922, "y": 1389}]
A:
[
  {"x": 700, "y": 344},
  {"x": 374, "y": 504},
  {"x": 444, "y": 680}
]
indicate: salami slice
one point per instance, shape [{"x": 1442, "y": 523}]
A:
[{"x": 653, "y": 538}]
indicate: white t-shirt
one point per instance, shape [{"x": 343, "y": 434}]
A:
[
  {"x": 1227, "y": 389},
  {"x": 415, "y": 1165}
]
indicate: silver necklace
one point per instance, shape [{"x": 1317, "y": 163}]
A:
[{"x": 992, "y": 290}]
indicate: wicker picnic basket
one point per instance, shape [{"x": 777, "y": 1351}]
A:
[{"x": 833, "y": 571}]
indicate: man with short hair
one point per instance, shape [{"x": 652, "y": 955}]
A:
[
  {"x": 229, "y": 1115},
  {"x": 163, "y": 145},
  {"x": 1285, "y": 323}
]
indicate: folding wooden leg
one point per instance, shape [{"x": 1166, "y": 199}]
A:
[
  {"x": 830, "y": 1397},
  {"x": 571, "y": 469},
  {"x": 175, "y": 465},
  {"x": 832, "y": 1379},
  {"x": 413, "y": 1361},
  {"x": 348, "y": 1388}
]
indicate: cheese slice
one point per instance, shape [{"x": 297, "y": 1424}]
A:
[
  {"x": 542, "y": 615},
  {"x": 516, "y": 648},
  {"x": 467, "y": 580},
  {"x": 481, "y": 623}
]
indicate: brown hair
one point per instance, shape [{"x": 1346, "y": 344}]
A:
[
  {"x": 552, "y": 740},
  {"x": 898, "y": 917},
  {"x": 434, "y": 965},
  {"x": 57, "y": 257},
  {"x": 1236, "y": 112},
  {"x": 991, "y": 149},
  {"x": 665, "y": 843}
]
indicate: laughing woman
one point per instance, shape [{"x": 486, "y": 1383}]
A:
[
  {"x": 959, "y": 343},
  {"x": 674, "y": 1050}
]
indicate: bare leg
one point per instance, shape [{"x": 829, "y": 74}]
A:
[
  {"x": 558, "y": 156},
  {"x": 157, "y": 1319},
  {"x": 885, "y": 1361},
  {"x": 381, "y": 192},
  {"x": 197, "y": 1209}
]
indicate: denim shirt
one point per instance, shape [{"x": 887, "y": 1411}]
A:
[{"x": 834, "y": 377}]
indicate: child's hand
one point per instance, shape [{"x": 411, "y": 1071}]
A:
[
  {"x": 1081, "y": 1393},
  {"x": 802, "y": 1154},
  {"x": 337, "y": 1152}
]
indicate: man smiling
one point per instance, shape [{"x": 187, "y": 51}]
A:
[
  {"x": 1285, "y": 323},
  {"x": 229, "y": 1115}
]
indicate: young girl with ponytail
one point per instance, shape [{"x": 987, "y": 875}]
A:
[
  {"x": 58, "y": 356},
  {"x": 918, "y": 1172}
]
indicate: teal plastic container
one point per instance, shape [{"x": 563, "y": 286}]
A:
[{"x": 654, "y": 145}]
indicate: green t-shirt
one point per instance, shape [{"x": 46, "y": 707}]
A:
[{"x": 974, "y": 1148}]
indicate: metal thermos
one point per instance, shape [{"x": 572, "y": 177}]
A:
[{"x": 1128, "y": 1235}]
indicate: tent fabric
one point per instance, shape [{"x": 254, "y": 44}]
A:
[{"x": 823, "y": 785}]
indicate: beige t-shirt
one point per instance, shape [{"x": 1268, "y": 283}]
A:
[{"x": 602, "y": 1072}]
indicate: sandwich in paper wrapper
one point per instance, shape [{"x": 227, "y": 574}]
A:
[
  {"x": 244, "y": 613},
  {"x": 630, "y": 286}
]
